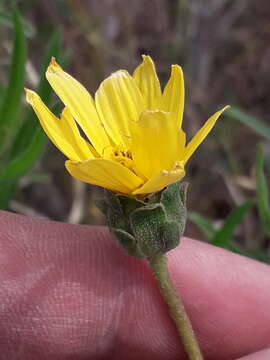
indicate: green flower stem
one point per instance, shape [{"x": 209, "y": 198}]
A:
[{"x": 176, "y": 307}]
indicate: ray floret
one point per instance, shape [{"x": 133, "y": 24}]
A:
[{"x": 134, "y": 143}]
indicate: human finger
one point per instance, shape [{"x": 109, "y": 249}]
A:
[{"x": 70, "y": 292}]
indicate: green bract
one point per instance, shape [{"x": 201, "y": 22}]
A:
[{"x": 147, "y": 227}]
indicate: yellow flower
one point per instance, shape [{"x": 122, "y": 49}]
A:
[{"x": 133, "y": 142}]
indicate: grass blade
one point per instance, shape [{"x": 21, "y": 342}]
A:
[
  {"x": 28, "y": 129},
  {"x": 223, "y": 236},
  {"x": 256, "y": 125},
  {"x": 253, "y": 254},
  {"x": 7, "y": 190},
  {"x": 22, "y": 162},
  {"x": 12, "y": 101},
  {"x": 30, "y": 140},
  {"x": 262, "y": 191},
  {"x": 7, "y": 20},
  {"x": 203, "y": 224}
]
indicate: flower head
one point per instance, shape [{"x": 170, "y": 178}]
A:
[{"x": 133, "y": 142}]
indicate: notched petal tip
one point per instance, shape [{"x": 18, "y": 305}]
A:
[
  {"x": 53, "y": 66},
  {"x": 177, "y": 73},
  {"x": 221, "y": 111},
  {"x": 148, "y": 62},
  {"x": 147, "y": 59},
  {"x": 201, "y": 134},
  {"x": 227, "y": 107},
  {"x": 31, "y": 96},
  {"x": 177, "y": 70}
]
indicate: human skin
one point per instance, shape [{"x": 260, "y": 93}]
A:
[{"x": 69, "y": 292}]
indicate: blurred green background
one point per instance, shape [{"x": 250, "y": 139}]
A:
[{"x": 224, "y": 49}]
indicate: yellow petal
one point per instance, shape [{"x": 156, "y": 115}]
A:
[
  {"x": 80, "y": 104},
  {"x": 59, "y": 130},
  {"x": 201, "y": 134},
  {"x": 73, "y": 136},
  {"x": 118, "y": 102},
  {"x": 161, "y": 180},
  {"x": 105, "y": 173},
  {"x": 146, "y": 78},
  {"x": 156, "y": 142},
  {"x": 173, "y": 98}
]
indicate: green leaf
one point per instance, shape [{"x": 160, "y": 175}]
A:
[
  {"x": 262, "y": 192},
  {"x": 256, "y": 125},
  {"x": 223, "y": 237},
  {"x": 203, "y": 224},
  {"x": 12, "y": 101}
]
